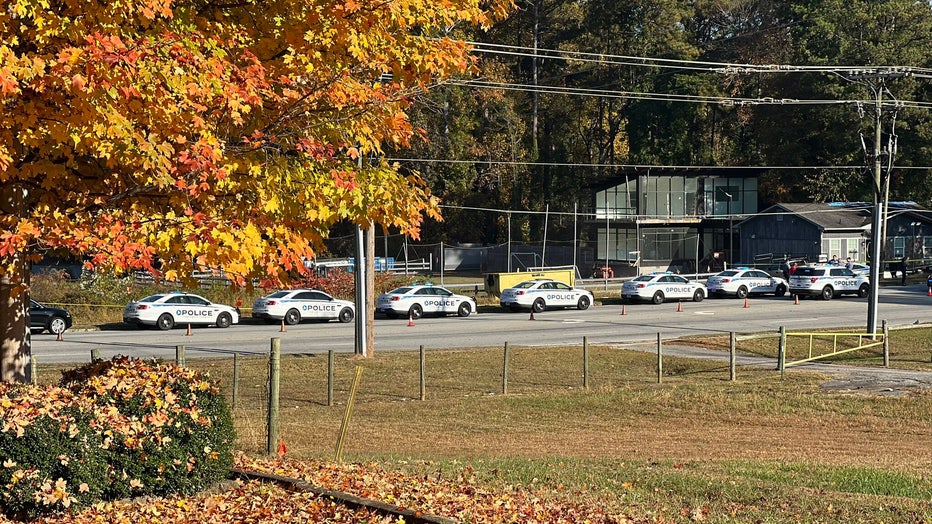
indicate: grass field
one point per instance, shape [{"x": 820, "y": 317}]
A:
[{"x": 696, "y": 447}]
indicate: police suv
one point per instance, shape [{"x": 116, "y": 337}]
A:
[
  {"x": 541, "y": 294},
  {"x": 828, "y": 281},
  {"x": 658, "y": 287},
  {"x": 167, "y": 309},
  {"x": 743, "y": 281},
  {"x": 294, "y": 305},
  {"x": 416, "y": 300}
]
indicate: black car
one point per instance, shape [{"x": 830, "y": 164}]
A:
[{"x": 52, "y": 319}]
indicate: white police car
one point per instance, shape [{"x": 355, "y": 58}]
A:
[
  {"x": 167, "y": 309},
  {"x": 295, "y": 305},
  {"x": 539, "y": 295},
  {"x": 828, "y": 281},
  {"x": 658, "y": 287},
  {"x": 743, "y": 281},
  {"x": 416, "y": 300}
]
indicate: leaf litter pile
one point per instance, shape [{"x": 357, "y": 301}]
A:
[{"x": 458, "y": 498}]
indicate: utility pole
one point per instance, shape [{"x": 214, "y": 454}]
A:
[
  {"x": 881, "y": 196},
  {"x": 877, "y": 224}
]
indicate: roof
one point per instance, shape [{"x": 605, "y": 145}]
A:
[{"x": 828, "y": 217}]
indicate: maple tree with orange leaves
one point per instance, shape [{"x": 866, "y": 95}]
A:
[{"x": 178, "y": 135}]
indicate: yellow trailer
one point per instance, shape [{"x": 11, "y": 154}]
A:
[{"x": 496, "y": 282}]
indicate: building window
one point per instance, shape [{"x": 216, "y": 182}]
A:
[
  {"x": 834, "y": 248},
  {"x": 899, "y": 247}
]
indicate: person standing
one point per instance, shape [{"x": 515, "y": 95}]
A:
[
  {"x": 785, "y": 268},
  {"x": 849, "y": 264},
  {"x": 903, "y": 270}
]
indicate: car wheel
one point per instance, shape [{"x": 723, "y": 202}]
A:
[
  {"x": 416, "y": 311},
  {"x": 292, "y": 317},
  {"x": 583, "y": 303},
  {"x": 864, "y": 291},
  {"x": 464, "y": 310},
  {"x": 742, "y": 292},
  {"x": 57, "y": 325},
  {"x": 658, "y": 298},
  {"x": 165, "y": 322},
  {"x": 780, "y": 291},
  {"x": 538, "y": 305},
  {"x": 698, "y": 296},
  {"x": 224, "y": 320},
  {"x": 346, "y": 315},
  {"x": 827, "y": 293}
]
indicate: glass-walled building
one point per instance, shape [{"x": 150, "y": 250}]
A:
[{"x": 672, "y": 220}]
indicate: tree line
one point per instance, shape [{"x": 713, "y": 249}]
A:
[{"x": 573, "y": 93}]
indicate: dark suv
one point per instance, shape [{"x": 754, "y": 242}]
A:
[{"x": 52, "y": 319}]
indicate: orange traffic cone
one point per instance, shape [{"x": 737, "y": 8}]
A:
[
  {"x": 746, "y": 304},
  {"x": 282, "y": 448},
  {"x": 410, "y": 320},
  {"x": 796, "y": 299},
  {"x": 679, "y": 306},
  {"x": 532, "y": 315},
  {"x": 59, "y": 338},
  {"x": 930, "y": 291},
  {"x": 188, "y": 334},
  {"x": 283, "y": 330},
  {"x": 623, "y": 312}
]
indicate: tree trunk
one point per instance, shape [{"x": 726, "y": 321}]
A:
[{"x": 15, "y": 349}]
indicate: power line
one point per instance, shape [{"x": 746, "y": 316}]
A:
[
  {"x": 698, "y": 65},
  {"x": 636, "y": 167},
  {"x": 661, "y": 97}
]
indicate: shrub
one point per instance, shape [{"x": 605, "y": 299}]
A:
[
  {"x": 112, "y": 429},
  {"x": 166, "y": 429},
  {"x": 48, "y": 454}
]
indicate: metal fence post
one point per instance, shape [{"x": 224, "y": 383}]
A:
[
  {"x": 179, "y": 356},
  {"x": 732, "y": 357},
  {"x": 505, "y": 371},
  {"x": 423, "y": 372},
  {"x": 330, "y": 377},
  {"x": 33, "y": 370},
  {"x": 585, "y": 365},
  {"x": 659, "y": 359},
  {"x": 274, "y": 391},
  {"x": 781, "y": 349},
  {"x": 95, "y": 354},
  {"x": 235, "y": 379},
  {"x": 886, "y": 344}
]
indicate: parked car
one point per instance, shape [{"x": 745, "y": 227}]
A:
[
  {"x": 165, "y": 310},
  {"x": 744, "y": 281},
  {"x": 541, "y": 294},
  {"x": 295, "y": 305},
  {"x": 416, "y": 300},
  {"x": 828, "y": 281},
  {"x": 45, "y": 318},
  {"x": 658, "y": 287}
]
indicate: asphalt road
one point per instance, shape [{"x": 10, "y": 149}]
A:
[{"x": 599, "y": 324}]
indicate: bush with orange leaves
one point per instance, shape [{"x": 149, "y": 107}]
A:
[{"x": 109, "y": 430}]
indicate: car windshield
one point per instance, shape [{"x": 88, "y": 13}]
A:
[
  {"x": 644, "y": 278},
  {"x": 727, "y": 273},
  {"x": 400, "y": 290},
  {"x": 525, "y": 285},
  {"x": 152, "y": 298},
  {"x": 279, "y": 294}
]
